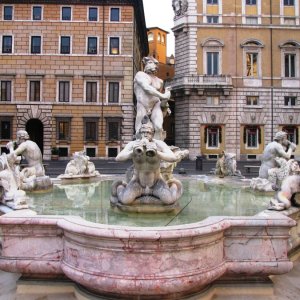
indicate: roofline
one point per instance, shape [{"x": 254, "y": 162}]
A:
[{"x": 156, "y": 27}]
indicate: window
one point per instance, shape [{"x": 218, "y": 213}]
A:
[
  {"x": 63, "y": 151},
  {"x": 63, "y": 128},
  {"x": 92, "y": 45},
  {"x": 34, "y": 90},
  {"x": 212, "y": 63},
  {"x": 212, "y": 100},
  {"x": 37, "y": 13},
  {"x": 289, "y": 101},
  {"x": 150, "y": 36},
  {"x": 289, "y": 65},
  {"x": 113, "y": 129},
  {"x": 252, "y": 50},
  {"x": 212, "y": 19},
  {"x": 8, "y": 13},
  {"x": 113, "y": 92},
  {"x": 65, "y": 45},
  {"x": 64, "y": 91},
  {"x": 159, "y": 37},
  {"x": 66, "y": 13},
  {"x": 93, "y": 14},
  {"x": 90, "y": 151},
  {"x": 292, "y": 134},
  {"x": 212, "y": 1},
  {"x": 288, "y": 2},
  {"x": 114, "y": 14},
  {"x": 5, "y": 90},
  {"x": 91, "y": 91},
  {"x": 7, "y": 44},
  {"x": 252, "y": 100},
  {"x": 36, "y": 44},
  {"x": 114, "y": 45},
  {"x": 163, "y": 39},
  {"x": 250, "y": 2},
  {"x": 5, "y": 128},
  {"x": 251, "y": 20},
  {"x": 91, "y": 129},
  {"x": 251, "y": 59},
  {"x": 112, "y": 152},
  {"x": 252, "y": 136},
  {"x": 213, "y": 136}
]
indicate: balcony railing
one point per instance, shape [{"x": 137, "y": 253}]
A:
[{"x": 202, "y": 80}]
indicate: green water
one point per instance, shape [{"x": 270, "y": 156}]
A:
[{"x": 199, "y": 201}]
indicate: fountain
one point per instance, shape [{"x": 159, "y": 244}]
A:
[
  {"x": 170, "y": 254},
  {"x": 14, "y": 182},
  {"x": 80, "y": 167}
]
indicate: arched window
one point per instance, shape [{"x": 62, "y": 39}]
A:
[
  {"x": 150, "y": 36},
  {"x": 159, "y": 37},
  {"x": 252, "y": 58},
  {"x": 163, "y": 39},
  {"x": 212, "y": 56},
  {"x": 290, "y": 59}
]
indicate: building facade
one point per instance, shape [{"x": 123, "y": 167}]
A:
[
  {"x": 236, "y": 75},
  {"x": 67, "y": 70}
]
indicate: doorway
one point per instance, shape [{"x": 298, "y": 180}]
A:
[{"x": 35, "y": 129}]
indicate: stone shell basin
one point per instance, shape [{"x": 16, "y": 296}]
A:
[{"x": 154, "y": 262}]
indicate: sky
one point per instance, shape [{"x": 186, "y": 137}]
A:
[{"x": 159, "y": 13}]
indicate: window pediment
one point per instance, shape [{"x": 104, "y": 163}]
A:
[
  {"x": 211, "y": 42},
  {"x": 290, "y": 44},
  {"x": 252, "y": 43}
]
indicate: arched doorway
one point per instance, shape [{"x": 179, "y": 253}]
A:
[{"x": 35, "y": 129}]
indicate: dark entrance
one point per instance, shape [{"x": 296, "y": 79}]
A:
[{"x": 35, "y": 129}]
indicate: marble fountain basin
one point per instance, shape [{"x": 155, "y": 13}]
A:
[{"x": 153, "y": 260}]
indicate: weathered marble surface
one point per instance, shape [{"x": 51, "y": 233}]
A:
[
  {"x": 276, "y": 164},
  {"x": 146, "y": 261},
  {"x": 79, "y": 167},
  {"x": 146, "y": 186},
  {"x": 13, "y": 181},
  {"x": 226, "y": 165}
]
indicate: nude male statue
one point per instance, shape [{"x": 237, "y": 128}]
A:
[
  {"x": 31, "y": 152},
  {"x": 273, "y": 150},
  {"x": 146, "y": 154},
  {"x": 147, "y": 89}
]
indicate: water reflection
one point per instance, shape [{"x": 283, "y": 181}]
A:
[{"x": 199, "y": 200}]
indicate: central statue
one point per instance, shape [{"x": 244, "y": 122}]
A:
[
  {"x": 147, "y": 89},
  {"x": 150, "y": 180}
]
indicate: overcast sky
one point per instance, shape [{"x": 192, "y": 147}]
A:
[{"x": 159, "y": 13}]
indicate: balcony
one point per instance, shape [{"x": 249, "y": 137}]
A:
[{"x": 203, "y": 82}]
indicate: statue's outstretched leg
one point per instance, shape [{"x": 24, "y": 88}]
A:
[
  {"x": 130, "y": 193},
  {"x": 164, "y": 193}
]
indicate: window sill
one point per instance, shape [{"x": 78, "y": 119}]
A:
[
  {"x": 290, "y": 82},
  {"x": 290, "y": 107},
  {"x": 253, "y": 106},
  {"x": 214, "y": 106},
  {"x": 113, "y": 103}
]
